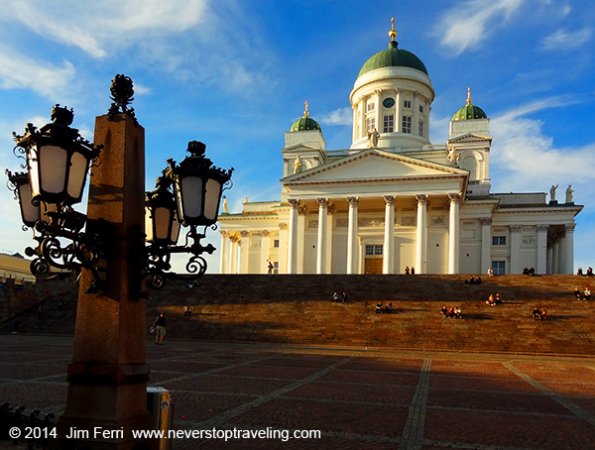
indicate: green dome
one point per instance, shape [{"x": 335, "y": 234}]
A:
[
  {"x": 304, "y": 124},
  {"x": 393, "y": 56},
  {"x": 469, "y": 111}
]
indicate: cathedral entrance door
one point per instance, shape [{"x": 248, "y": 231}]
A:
[
  {"x": 373, "y": 266},
  {"x": 373, "y": 259}
]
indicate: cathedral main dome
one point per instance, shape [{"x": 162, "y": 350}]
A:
[{"x": 393, "y": 56}]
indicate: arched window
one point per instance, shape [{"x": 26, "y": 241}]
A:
[{"x": 469, "y": 163}]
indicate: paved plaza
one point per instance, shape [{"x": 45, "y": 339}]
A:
[{"x": 358, "y": 398}]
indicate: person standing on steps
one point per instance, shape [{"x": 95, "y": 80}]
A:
[{"x": 160, "y": 328}]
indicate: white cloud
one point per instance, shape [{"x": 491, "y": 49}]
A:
[
  {"x": 97, "y": 27},
  {"x": 467, "y": 25},
  {"x": 562, "y": 39},
  {"x": 340, "y": 116},
  {"x": 526, "y": 158},
  {"x": 21, "y": 72}
]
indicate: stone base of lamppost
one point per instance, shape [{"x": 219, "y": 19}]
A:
[{"x": 107, "y": 392}]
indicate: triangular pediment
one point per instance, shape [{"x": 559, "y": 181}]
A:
[
  {"x": 469, "y": 138},
  {"x": 373, "y": 164}
]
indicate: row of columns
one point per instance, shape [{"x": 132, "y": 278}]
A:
[
  {"x": 557, "y": 257},
  {"x": 560, "y": 252},
  {"x": 389, "y": 238}
]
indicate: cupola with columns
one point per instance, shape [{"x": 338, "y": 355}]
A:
[
  {"x": 469, "y": 145},
  {"x": 393, "y": 95},
  {"x": 304, "y": 145}
]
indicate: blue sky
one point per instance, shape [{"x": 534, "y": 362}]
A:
[{"x": 235, "y": 74}]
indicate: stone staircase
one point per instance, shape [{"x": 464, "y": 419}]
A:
[{"x": 298, "y": 309}]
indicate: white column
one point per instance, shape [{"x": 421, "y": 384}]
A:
[
  {"x": 388, "y": 260},
  {"x": 515, "y": 249},
  {"x": 223, "y": 261},
  {"x": 233, "y": 260},
  {"x": 378, "y": 111},
  {"x": 562, "y": 254},
  {"x": 415, "y": 119},
  {"x": 355, "y": 130},
  {"x": 421, "y": 244},
  {"x": 398, "y": 109},
  {"x": 453, "y": 234},
  {"x": 556, "y": 256},
  {"x": 352, "y": 236},
  {"x": 244, "y": 247},
  {"x": 330, "y": 210},
  {"x": 265, "y": 251},
  {"x": 550, "y": 258},
  {"x": 364, "y": 125},
  {"x": 292, "y": 237},
  {"x": 321, "y": 243},
  {"x": 542, "y": 250},
  {"x": 486, "y": 244},
  {"x": 569, "y": 256}
]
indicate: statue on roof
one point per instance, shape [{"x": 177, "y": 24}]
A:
[
  {"x": 553, "y": 192},
  {"x": 225, "y": 205},
  {"x": 569, "y": 192},
  {"x": 373, "y": 138}
]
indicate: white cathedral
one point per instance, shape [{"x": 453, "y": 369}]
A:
[{"x": 394, "y": 200}]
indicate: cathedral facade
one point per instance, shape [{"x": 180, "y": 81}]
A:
[{"x": 393, "y": 200}]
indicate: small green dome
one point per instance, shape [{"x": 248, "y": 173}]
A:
[
  {"x": 469, "y": 111},
  {"x": 393, "y": 56},
  {"x": 305, "y": 123}
]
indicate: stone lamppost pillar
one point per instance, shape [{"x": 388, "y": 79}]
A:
[{"x": 109, "y": 372}]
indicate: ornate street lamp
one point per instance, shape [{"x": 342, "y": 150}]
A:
[
  {"x": 198, "y": 187},
  {"x": 187, "y": 194},
  {"x": 58, "y": 159},
  {"x": 161, "y": 220}
]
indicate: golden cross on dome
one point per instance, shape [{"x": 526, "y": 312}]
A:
[
  {"x": 393, "y": 32},
  {"x": 468, "y": 95},
  {"x": 306, "y": 112}
]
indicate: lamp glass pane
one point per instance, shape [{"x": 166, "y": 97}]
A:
[
  {"x": 175, "y": 231},
  {"x": 212, "y": 196},
  {"x": 162, "y": 220},
  {"x": 148, "y": 225},
  {"x": 76, "y": 177},
  {"x": 192, "y": 196},
  {"x": 33, "y": 165},
  {"x": 52, "y": 168},
  {"x": 30, "y": 213}
]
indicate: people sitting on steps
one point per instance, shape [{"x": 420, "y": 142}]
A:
[
  {"x": 491, "y": 301},
  {"x": 451, "y": 313},
  {"x": 539, "y": 313},
  {"x": 384, "y": 308},
  {"x": 473, "y": 280}
]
